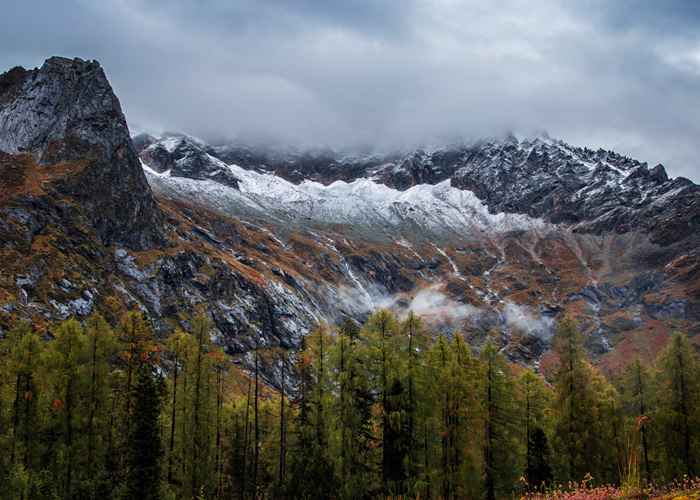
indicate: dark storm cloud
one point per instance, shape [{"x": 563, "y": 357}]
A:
[{"x": 620, "y": 74}]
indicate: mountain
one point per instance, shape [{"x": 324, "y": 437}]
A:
[
  {"x": 64, "y": 121},
  {"x": 502, "y": 233}
]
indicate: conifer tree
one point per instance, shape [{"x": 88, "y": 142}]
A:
[
  {"x": 25, "y": 356},
  {"x": 573, "y": 402},
  {"x": 199, "y": 456},
  {"x": 500, "y": 461},
  {"x": 101, "y": 349},
  {"x": 381, "y": 329},
  {"x": 65, "y": 357},
  {"x": 179, "y": 347},
  {"x": 356, "y": 441},
  {"x": 637, "y": 404},
  {"x": 534, "y": 400},
  {"x": 144, "y": 444},
  {"x": 312, "y": 474},
  {"x": 679, "y": 406}
]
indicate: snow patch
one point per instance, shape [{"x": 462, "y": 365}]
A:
[{"x": 440, "y": 207}]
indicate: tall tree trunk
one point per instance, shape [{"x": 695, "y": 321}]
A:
[
  {"x": 69, "y": 435},
  {"x": 490, "y": 486},
  {"x": 129, "y": 370},
  {"x": 684, "y": 413},
  {"x": 256, "y": 451},
  {"x": 446, "y": 430},
  {"x": 426, "y": 459},
  {"x": 527, "y": 427},
  {"x": 343, "y": 413},
  {"x": 15, "y": 418},
  {"x": 173, "y": 417},
  {"x": 283, "y": 431},
  {"x": 93, "y": 407},
  {"x": 642, "y": 412},
  {"x": 319, "y": 382},
  {"x": 28, "y": 431},
  {"x": 246, "y": 441},
  {"x": 112, "y": 463},
  {"x": 385, "y": 419},
  {"x": 184, "y": 422},
  {"x": 570, "y": 437},
  {"x": 196, "y": 431},
  {"x": 219, "y": 402},
  {"x": 411, "y": 395}
]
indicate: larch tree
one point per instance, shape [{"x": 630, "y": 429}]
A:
[
  {"x": 573, "y": 403},
  {"x": 679, "y": 406},
  {"x": 501, "y": 466},
  {"x": 535, "y": 399},
  {"x": 144, "y": 451}
]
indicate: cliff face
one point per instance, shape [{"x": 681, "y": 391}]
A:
[{"x": 66, "y": 113}]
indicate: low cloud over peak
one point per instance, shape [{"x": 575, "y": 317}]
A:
[{"x": 390, "y": 74}]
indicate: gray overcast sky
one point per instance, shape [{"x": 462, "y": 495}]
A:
[{"x": 621, "y": 74}]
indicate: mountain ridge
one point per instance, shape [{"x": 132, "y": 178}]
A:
[
  {"x": 595, "y": 191},
  {"x": 273, "y": 247}
]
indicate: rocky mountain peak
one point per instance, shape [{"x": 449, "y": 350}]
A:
[
  {"x": 66, "y": 112},
  {"x": 592, "y": 191},
  {"x": 183, "y": 156}
]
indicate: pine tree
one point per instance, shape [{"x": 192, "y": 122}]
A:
[
  {"x": 534, "y": 400},
  {"x": 66, "y": 355},
  {"x": 311, "y": 471},
  {"x": 573, "y": 402},
  {"x": 199, "y": 457},
  {"x": 588, "y": 430},
  {"x": 538, "y": 470},
  {"x": 178, "y": 347},
  {"x": 282, "y": 460},
  {"x": 25, "y": 356},
  {"x": 679, "y": 406},
  {"x": 500, "y": 464},
  {"x": 381, "y": 330},
  {"x": 637, "y": 405},
  {"x": 101, "y": 348},
  {"x": 356, "y": 444},
  {"x": 412, "y": 329},
  {"x": 144, "y": 445}
]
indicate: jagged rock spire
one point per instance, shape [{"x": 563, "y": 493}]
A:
[{"x": 66, "y": 111}]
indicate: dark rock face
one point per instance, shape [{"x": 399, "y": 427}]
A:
[
  {"x": 66, "y": 112},
  {"x": 324, "y": 166},
  {"x": 592, "y": 191},
  {"x": 183, "y": 157}
]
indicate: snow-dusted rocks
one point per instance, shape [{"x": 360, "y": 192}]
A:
[
  {"x": 421, "y": 209},
  {"x": 182, "y": 156},
  {"x": 498, "y": 184},
  {"x": 66, "y": 114}
]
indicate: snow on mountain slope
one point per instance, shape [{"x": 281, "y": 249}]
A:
[
  {"x": 437, "y": 209},
  {"x": 593, "y": 191},
  {"x": 518, "y": 232}
]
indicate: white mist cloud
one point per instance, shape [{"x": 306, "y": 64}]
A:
[
  {"x": 522, "y": 318},
  {"x": 620, "y": 74},
  {"x": 431, "y": 302}
]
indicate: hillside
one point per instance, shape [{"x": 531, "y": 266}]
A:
[{"x": 502, "y": 233}]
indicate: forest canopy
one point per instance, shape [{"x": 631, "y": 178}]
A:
[{"x": 387, "y": 408}]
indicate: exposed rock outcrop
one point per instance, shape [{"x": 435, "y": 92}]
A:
[
  {"x": 592, "y": 191},
  {"x": 66, "y": 113}
]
